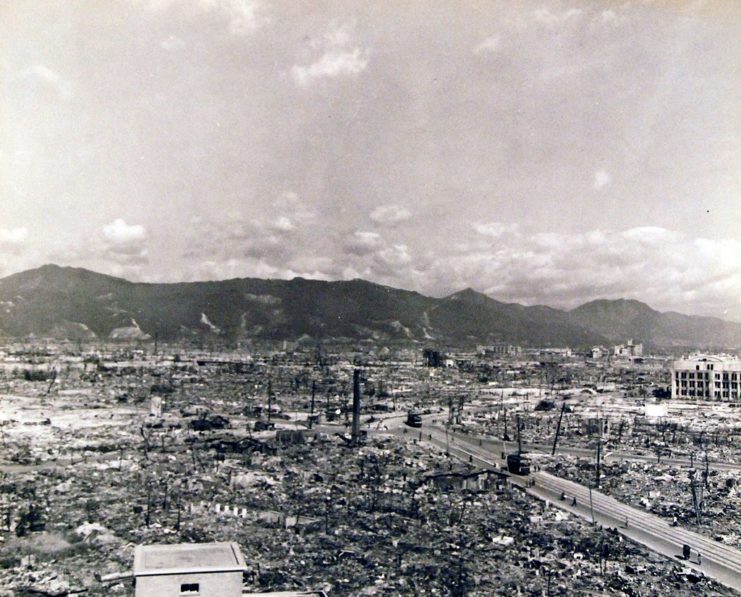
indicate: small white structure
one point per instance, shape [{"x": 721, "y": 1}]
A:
[
  {"x": 155, "y": 407},
  {"x": 189, "y": 570}
]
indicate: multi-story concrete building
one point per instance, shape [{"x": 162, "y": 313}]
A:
[
  {"x": 712, "y": 377},
  {"x": 499, "y": 349},
  {"x": 628, "y": 350}
]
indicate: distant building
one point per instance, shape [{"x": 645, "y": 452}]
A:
[
  {"x": 628, "y": 350},
  {"x": 716, "y": 377},
  {"x": 499, "y": 349},
  {"x": 598, "y": 352},
  {"x": 558, "y": 352},
  {"x": 189, "y": 570}
]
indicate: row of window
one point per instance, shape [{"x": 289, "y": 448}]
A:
[
  {"x": 701, "y": 393},
  {"x": 705, "y": 375}
]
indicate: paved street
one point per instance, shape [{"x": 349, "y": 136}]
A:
[{"x": 718, "y": 560}]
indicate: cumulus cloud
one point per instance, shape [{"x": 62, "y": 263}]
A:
[
  {"x": 282, "y": 224},
  {"x": 43, "y": 75},
  {"x": 554, "y": 18},
  {"x": 13, "y": 237},
  {"x": 125, "y": 244},
  {"x": 290, "y": 202},
  {"x": 390, "y": 215},
  {"x": 363, "y": 243},
  {"x": 172, "y": 43},
  {"x": 340, "y": 57},
  {"x": 119, "y": 232},
  {"x": 494, "y": 229},
  {"x": 242, "y": 17},
  {"x": 665, "y": 268},
  {"x": 601, "y": 179},
  {"x": 489, "y": 45}
]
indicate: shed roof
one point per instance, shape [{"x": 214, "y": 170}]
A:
[{"x": 181, "y": 558}]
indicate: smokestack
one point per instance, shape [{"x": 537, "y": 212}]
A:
[{"x": 356, "y": 407}]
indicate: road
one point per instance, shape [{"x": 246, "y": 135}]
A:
[
  {"x": 719, "y": 561},
  {"x": 498, "y": 445}
]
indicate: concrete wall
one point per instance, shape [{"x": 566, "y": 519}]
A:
[{"x": 213, "y": 584}]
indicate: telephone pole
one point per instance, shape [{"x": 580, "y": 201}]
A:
[
  {"x": 558, "y": 429},
  {"x": 270, "y": 400}
]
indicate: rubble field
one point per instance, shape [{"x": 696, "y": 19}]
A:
[
  {"x": 665, "y": 490},
  {"x": 124, "y": 450}
]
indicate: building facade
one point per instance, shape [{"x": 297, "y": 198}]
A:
[{"x": 708, "y": 377}]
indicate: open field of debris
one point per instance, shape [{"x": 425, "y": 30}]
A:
[{"x": 127, "y": 450}]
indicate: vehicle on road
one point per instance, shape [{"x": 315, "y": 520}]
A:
[
  {"x": 414, "y": 419},
  {"x": 518, "y": 464}
]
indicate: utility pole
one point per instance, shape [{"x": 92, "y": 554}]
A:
[
  {"x": 519, "y": 436},
  {"x": 599, "y": 451},
  {"x": 558, "y": 429},
  {"x": 313, "y": 394},
  {"x": 356, "y": 408},
  {"x": 695, "y": 487},
  {"x": 270, "y": 400}
]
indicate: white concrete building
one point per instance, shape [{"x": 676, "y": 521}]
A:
[
  {"x": 628, "y": 350},
  {"x": 188, "y": 570},
  {"x": 709, "y": 377}
]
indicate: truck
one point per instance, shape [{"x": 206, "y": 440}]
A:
[
  {"x": 518, "y": 464},
  {"x": 414, "y": 419}
]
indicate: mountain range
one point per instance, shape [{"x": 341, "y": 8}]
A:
[{"x": 75, "y": 303}]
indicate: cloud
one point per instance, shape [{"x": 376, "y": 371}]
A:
[
  {"x": 489, "y": 45},
  {"x": 290, "y": 202},
  {"x": 338, "y": 58},
  {"x": 390, "y": 215},
  {"x": 601, "y": 179},
  {"x": 43, "y": 75},
  {"x": 13, "y": 237},
  {"x": 609, "y": 17},
  {"x": 665, "y": 268},
  {"x": 332, "y": 64},
  {"x": 271, "y": 241},
  {"x": 172, "y": 43},
  {"x": 494, "y": 229},
  {"x": 363, "y": 243},
  {"x": 125, "y": 244},
  {"x": 243, "y": 17},
  {"x": 551, "y": 18},
  {"x": 119, "y": 232},
  {"x": 282, "y": 224}
]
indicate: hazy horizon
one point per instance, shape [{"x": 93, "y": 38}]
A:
[{"x": 542, "y": 153}]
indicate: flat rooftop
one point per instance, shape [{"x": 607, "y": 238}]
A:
[{"x": 180, "y": 558}]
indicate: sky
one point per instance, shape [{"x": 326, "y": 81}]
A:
[{"x": 546, "y": 152}]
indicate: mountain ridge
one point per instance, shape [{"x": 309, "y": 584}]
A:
[{"x": 78, "y": 303}]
